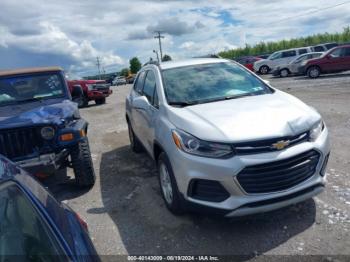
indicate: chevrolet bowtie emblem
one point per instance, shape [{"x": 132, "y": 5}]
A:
[{"x": 280, "y": 144}]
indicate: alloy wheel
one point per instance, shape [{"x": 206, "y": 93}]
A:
[{"x": 165, "y": 183}]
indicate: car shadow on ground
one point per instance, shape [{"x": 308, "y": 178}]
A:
[
  {"x": 325, "y": 76},
  {"x": 131, "y": 196},
  {"x": 62, "y": 186}
]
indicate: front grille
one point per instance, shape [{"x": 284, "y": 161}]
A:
[
  {"x": 266, "y": 145},
  {"x": 207, "y": 190},
  {"x": 278, "y": 175},
  {"x": 20, "y": 142}
]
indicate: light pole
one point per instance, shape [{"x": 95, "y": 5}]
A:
[{"x": 154, "y": 51}]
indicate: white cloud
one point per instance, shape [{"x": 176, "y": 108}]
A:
[{"x": 118, "y": 30}]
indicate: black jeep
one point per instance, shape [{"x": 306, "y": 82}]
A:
[{"x": 40, "y": 127}]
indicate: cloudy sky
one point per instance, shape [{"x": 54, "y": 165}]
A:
[{"x": 73, "y": 33}]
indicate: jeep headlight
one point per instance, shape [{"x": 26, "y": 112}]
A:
[
  {"x": 90, "y": 86},
  {"x": 316, "y": 130},
  {"x": 195, "y": 146},
  {"x": 47, "y": 132}
]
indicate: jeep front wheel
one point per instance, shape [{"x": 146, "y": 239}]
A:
[
  {"x": 82, "y": 164},
  {"x": 100, "y": 101}
]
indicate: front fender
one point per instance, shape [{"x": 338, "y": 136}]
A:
[{"x": 77, "y": 128}]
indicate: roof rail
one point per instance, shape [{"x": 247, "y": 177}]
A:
[{"x": 151, "y": 63}]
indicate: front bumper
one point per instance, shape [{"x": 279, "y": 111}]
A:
[
  {"x": 187, "y": 167},
  {"x": 95, "y": 94},
  {"x": 46, "y": 163},
  {"x": 302, "y": 70}
]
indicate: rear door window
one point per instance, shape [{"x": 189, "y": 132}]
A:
[
  {"x": 346, "y": 52},
  {"x": 319, "y": 48},
  {"x": 330, "y": 46},
  {"x": 302, "y": 51},
  {"x": 290, "y": 53}
]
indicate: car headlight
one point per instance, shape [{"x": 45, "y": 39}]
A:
[
  {"x": 195, "y": 146},
  {"x": 90, "y": 87},
  {"x": 47, "y": 132},
  {"x": 316, "y": 130}
]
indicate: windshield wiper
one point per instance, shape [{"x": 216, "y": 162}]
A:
[
  {"x": 182, "y": 103},
  {"x": 30, "y": 100}
]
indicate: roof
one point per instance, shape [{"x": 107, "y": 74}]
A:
[
  {"x": 30, "y": 70},
  {"x": 193, "y": 61}
]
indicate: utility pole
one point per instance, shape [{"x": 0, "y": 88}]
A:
[
  {"x": 98, "y": 63},
  {"x": 159, "y": 36}
]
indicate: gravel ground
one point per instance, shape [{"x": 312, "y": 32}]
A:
[{"x": 126, "y": 214}]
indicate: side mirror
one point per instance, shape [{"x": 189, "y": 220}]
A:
[
  {"x": 329, "y": 56},
  {"x": 77, "y": 91},
  {"x": 140, "y": 102}
]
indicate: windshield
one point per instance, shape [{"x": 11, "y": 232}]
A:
[
  {"x": 210, "y": 82},
  {"x": 274, "y": 56},
  {"x": 17, "y": 89}
]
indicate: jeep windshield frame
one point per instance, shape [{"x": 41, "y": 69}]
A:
[{"x": 30, "y": 87}]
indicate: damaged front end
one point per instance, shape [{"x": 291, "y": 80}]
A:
[{"x": 41, "y": 138}]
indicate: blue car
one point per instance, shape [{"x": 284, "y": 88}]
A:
[{"x": 34, "y": 226}]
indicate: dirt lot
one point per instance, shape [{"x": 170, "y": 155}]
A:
[{"x": 126, "y": 214}]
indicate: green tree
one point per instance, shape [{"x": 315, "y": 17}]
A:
[
  {"x": 135, "y": 65},
  {"x": 270, "y": 47},
  {"x": 166, "y": 58},
  {"x": 124, "y": 72}
]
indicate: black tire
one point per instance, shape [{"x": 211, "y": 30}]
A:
[
  {"x": 175, "y": 206},
  {"x": 85, "y": 102},
  {"x": 284, "y": 72},
  {"x": 100, "y": 101},
  {"x": 264, "y": 70},
  {"x": 82, "y": 164},
  {"x": 135, "y": 143},
  {"x": 313, "y": 72}
]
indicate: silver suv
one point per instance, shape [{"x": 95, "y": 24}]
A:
[{"x": 223, "y": 139}]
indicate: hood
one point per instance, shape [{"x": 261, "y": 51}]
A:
[
  {"x": 39, "y": 112},
  {"x": 246, "y": 119},
  {"x": 261, "y": 61}
]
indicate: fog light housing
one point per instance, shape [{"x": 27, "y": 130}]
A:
[{"x": 207, "y": 190}]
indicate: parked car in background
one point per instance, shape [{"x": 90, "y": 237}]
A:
[
  {"x": 334, "y": 61},
  {"x": 292, "y": 68},
  {"x": 248, "y": 61},
  {"x": 323, "y": 47},
  {"x": 34, "y": 226},
  {"x": 96, "y": 90},
  {"x": 119, "y": 80},
  {"x": 40, "y": 127},
  {"x": 263, "y": 56},
  {"x": 224, "y": 140},
  {"x": 264, "y": 66},
  {"x": 131, "y": 78}
]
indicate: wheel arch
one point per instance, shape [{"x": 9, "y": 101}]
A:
[{"x": 157, "y": 150}]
